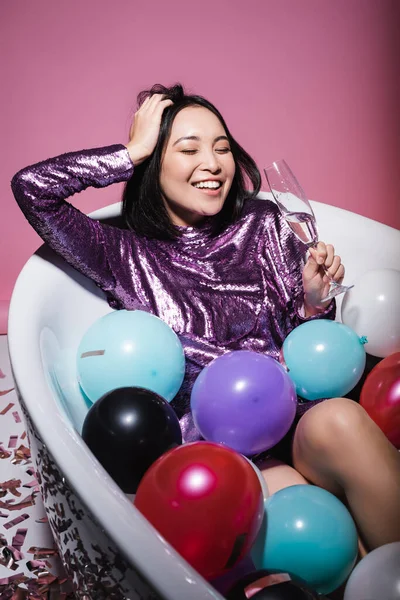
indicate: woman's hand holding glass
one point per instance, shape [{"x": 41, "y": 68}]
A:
[
  {"x": 299, "y": 215},
  {"x": 322, "y": 267},
  {"x": 144, "y": 131}
]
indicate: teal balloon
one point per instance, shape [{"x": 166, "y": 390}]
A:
[
  {"x": 308, "y": 533},
  {"x": 325, "y": 359},
  {"x": 130, "y": 349}
]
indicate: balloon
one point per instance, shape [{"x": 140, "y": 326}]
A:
[
  {"x": 69, "y": 392},
  {"x": 265, "y": 585},
  {"x": 223, "y": 583},
  {"x": 370, "y": 363},
  {"x": 127, "y": 430},
  {"x": 325, "y": 359},
  {"x": 377, "y": 575},
  {"x": 372, "y": 308},
  {"x": 390, "y": 362},
  {"x": 130, "y": 348},
  {"x": 263, "y": 483},
  {"x": 207, "y": 502},
  {"x": 308, "y": 533},
  {"x": 244, "y": 400},
  {"x": 380, "y": 396}
]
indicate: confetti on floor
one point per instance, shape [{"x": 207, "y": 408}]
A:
[{"x": 30, "y": 568}]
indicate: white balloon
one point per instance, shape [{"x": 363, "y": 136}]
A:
[
  {"x": 377, "y": 575},
  {"x": 372, "y": 308}
]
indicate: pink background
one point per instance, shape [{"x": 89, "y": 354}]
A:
[{"x": 313, "y": 81}]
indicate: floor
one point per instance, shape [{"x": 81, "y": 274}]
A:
[{"x": 30, "y": 568}]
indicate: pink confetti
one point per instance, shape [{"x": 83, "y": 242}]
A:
[
  {"x": 13, "y": 441},
  {"x": 42, "y": 552},
  {"x": 9, "y": 558},
  {"x": 24, "y": 503},
  {"x": 10, "y": 486},
  {"x": 40, "y": 584},
  {"x": 16, "y": 553},
  {"x": 41, "y": 588},
  {"x": 4, "y": 453},
  {"x": 36, "y": 564},
  {"x": 60, "y": 510},
  {"x": 31, "y": 484},
  {"x": 13, "y": 578},
  {"x": 16, "y": 416},
  {"x": 20, "y": 454},
  {"x": 93, "y": 353},
  {"x": 16, "y": 521},
  {"x": 19, "y": 538}
]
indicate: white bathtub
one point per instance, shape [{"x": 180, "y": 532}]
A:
[{"x": 106, "y": 544}]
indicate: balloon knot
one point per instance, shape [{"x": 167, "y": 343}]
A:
[{"x": 364, "y": 340}]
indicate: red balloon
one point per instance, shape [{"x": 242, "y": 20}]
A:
[
  {"x": 391, "y": 361},
  {"x": 207, "y": 501},
  {"x": 380, "y": 396}
]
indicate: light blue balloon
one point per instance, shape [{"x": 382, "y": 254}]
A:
[
  {"x": 308, "y": 533},
  {"x": 130, "y": 348},
  {"x": 325, "y": 359},
  {"x": 68, "y": 391}
]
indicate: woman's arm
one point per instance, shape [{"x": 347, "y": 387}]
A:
[
  {"x": 41, "y": 190},
  {"x": 287, "y": 259}
]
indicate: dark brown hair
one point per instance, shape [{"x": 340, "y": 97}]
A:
[{"x": 143, "y": 208}]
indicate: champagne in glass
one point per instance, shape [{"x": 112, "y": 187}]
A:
[
  {"x": 304, "y": 227},
  {"x": 298, "y": 213}
]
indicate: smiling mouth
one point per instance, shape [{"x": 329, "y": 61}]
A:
[{"x": 208, "y": 185}]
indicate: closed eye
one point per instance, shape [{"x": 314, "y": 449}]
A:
[{"x": 219, "y": 150}]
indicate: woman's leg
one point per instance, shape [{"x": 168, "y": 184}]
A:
[
  {"x": 338, "y": 447},
  {"x": 278, "y": 475}
]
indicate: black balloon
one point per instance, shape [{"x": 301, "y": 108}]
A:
[
  {"x": 127, "y": 430},
  {"x": 285, "y": 590}
]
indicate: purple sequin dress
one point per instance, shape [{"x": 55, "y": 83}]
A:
[{"x": 241, "y": 290}]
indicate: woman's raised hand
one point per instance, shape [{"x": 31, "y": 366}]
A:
[{"x": 145, "y": 128}]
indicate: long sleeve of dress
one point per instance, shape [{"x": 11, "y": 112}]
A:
[{"x": 41, "y": 190}]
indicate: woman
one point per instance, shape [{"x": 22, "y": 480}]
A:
[{"x": 222, "y": 269}]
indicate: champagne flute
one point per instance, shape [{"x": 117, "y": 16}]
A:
[{"x": 298, "y": 213}]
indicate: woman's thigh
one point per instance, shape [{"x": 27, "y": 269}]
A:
[
  {"x": 279, "y": 475},
  {"x": 326, "y": 440}
]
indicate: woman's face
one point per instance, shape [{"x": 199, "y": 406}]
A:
[{"x": 197, "y": 167}]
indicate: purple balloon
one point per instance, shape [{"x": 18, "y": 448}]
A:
[{"x": 244, "y": 400}]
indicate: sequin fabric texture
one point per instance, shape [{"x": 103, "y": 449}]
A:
[{"x": 240, "y": 290}]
